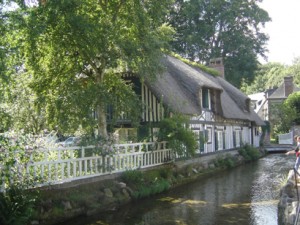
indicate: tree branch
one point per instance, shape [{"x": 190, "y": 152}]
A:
[{"x": 117, "y": 10}]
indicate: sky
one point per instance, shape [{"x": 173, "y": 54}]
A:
[{"x": 283, "y": 30}]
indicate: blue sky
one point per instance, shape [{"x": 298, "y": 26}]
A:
[{"x": 284, "y": 30}]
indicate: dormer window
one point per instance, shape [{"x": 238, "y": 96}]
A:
[{"x": 206, "y": 99}]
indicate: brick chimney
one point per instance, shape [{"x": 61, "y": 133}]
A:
[
  {"x": 288, "y": 86},
  {"x": 217, "y": 64}
]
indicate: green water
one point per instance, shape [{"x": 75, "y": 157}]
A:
[{"x": 247, "y": 195}]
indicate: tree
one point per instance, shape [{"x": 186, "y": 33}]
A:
[
  {"x": 17, "y": 197},
  {"x": 77, "y": 51},
  {"x": 18, "y": 108},
  {"x": 10, "y": 63},
  {"x": 2, "y": 52},
  {"x": 286, "y": 114},
  {"x": 220, "y": 28},
  {"x": 282, "y": 118},
  {"x": 294, "y": 70},
  {"x": 267, "y": 76},
  {"x": 293, "y": 101}
]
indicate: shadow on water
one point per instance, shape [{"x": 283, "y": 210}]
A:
[{"x": 247, "y": 195}]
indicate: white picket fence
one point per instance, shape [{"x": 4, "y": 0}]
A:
[
  {"x": 59, "y": 165},
  {"x": 286, "y": 138}
]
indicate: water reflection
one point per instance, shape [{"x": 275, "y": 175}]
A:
[{"x": 247, "y": 195}]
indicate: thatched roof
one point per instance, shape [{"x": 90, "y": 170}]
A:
[
  {"x": 179, "y": 88},
  {"x": 240, "y": 107}
]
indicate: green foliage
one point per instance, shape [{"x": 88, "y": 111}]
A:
[
  {"x": 282, "y": 118},
  {"x": 249, "y": 153},
  {"x": 16, "y": 199},
  {"x": 267, "y": 76},
  {"x": 147, "y": 183},
  {"x": 285, "y": 115},
  {"x": 143, "y": 133},
  {"x": 181, "y": 139},
  {"x": 227, "y": 29},
  {"x": 294, "y": 70},
  {"x": 227, "y": 161},
  {"x": 132, "y": 177},
  {"x": 152, "y": 189},
  {"x": 200, "y": 66},
  {"x": 166, "y": 172},
  {"x": 256, "y": 86},
  {"x": 292, "y": 104},
  {"x": 18, "y": 107},
  {"x": 271, "y": 75},
  {"x": 75, "y": 52},
  {"x": 16, "y": 205}
]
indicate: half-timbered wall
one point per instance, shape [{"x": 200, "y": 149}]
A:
[
  {"x": 153, "y": 109},
  {"x": 217, "y": 136},
  {"x": 213, "y": 132}
]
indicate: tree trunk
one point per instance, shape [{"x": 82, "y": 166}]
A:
[
  {"x": 101, "y": 108},
  {"x": 102, "y": 123}
]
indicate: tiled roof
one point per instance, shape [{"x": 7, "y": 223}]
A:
[{"x": 279, "y": 93}]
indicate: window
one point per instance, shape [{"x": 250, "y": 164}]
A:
[
  {"x": 208, "y": 134},
  {"x": 234, "y": 139},
  {"x": 205, "y": 98},
  {"x": 219, "y": 140},
  {"x": 202, "y": 139},
  {"x": 237, "y": 138}
]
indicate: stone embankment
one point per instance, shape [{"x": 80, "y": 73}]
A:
[
  {"x": 289, "y": 200},
  {"x": 63, "y": 202}
]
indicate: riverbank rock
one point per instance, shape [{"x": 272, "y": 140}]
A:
[
  {"x": 108, "y": 193},
  {"x": 288, "y": 201}
]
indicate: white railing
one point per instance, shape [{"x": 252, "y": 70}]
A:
[
  {"x": 59, "y": 165},
  {"x": 285, "y": 138}
]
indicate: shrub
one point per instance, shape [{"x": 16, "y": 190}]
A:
[
  {"x": 132, "y": 177},
  {"x": 16, "y": 206},
  {"x": 147, "y": 183},
  {"x": 181, "y": 139},
  {"x": 166, "y": 173},
  {"x": 17, "y": 200},
  {"x": 249, "y": 153},
  {"x": 228, "y": 161},
  {"x": 152, "y": 189}
]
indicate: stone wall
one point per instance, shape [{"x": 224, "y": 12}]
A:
[
  {"x": 87, "y": 197},
  {"x": 288, "y": 201},
  {"x": 58, "y": 205}
]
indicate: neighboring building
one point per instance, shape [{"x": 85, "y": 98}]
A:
[
  {"x": 259, "y": 103},
  {"x": 280, "y": 94},
  {"x": 218, "y": 111},
  {"x": 263, "y": 101}
]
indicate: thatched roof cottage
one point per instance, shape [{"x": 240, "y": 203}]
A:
[{"x": 216, "y": 108}]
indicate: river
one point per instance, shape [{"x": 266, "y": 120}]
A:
[{"x": 246, "y": 195}]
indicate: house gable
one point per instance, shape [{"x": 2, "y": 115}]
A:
[
  {"x": 180, "y": 88},
  {"x": 216, "y": 108}
]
